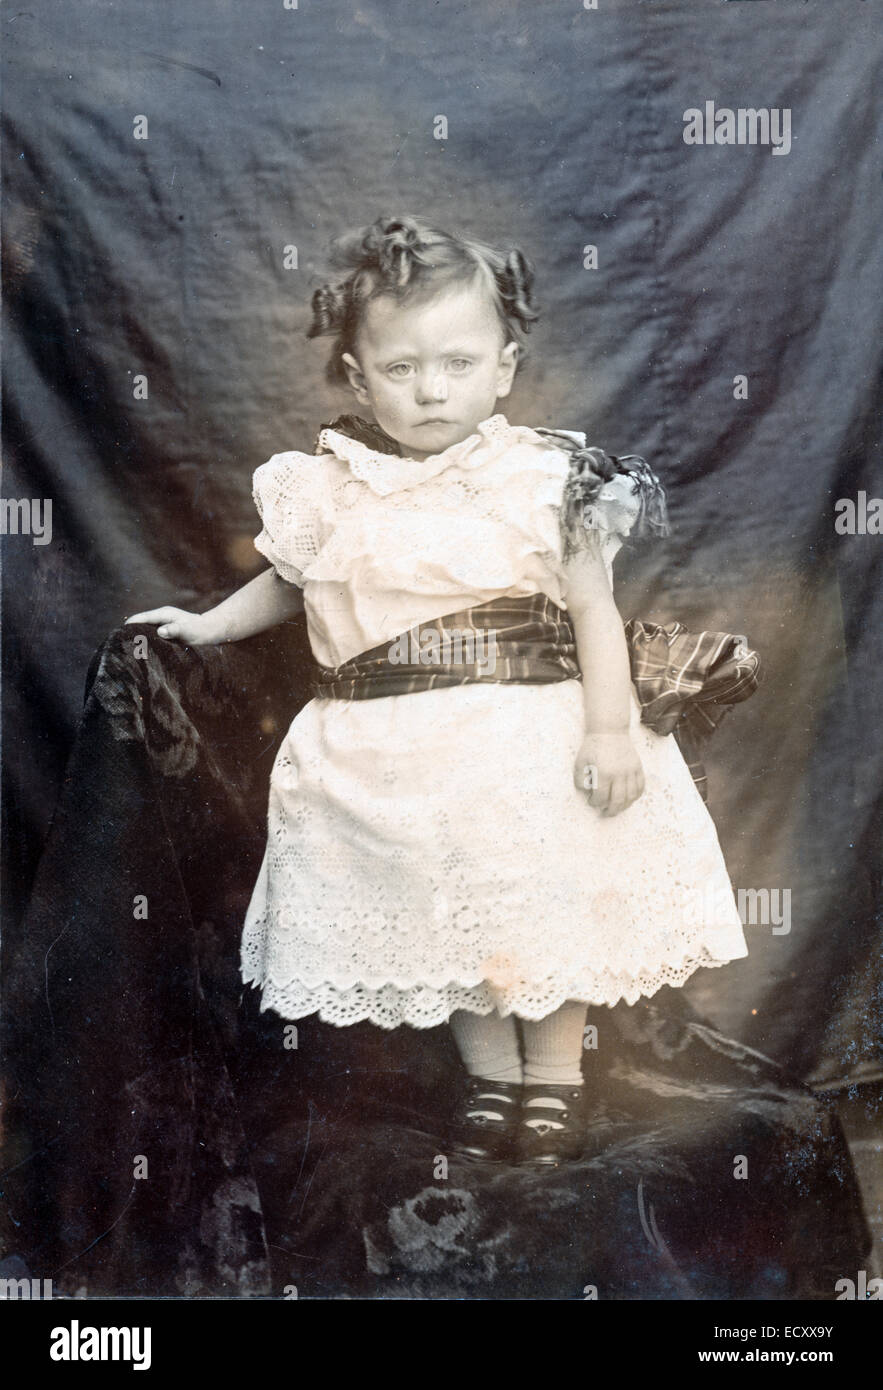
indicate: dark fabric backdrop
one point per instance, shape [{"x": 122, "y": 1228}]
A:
[{"x": 269, "y": 127}]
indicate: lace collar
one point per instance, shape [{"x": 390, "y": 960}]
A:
[{"x": 387, "y": 472}]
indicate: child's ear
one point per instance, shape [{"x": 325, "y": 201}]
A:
[
  {"x": 506, "y": 369},
  {"x": 355, "y": 377}
]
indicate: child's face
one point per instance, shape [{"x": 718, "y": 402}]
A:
[{"x": 431, "y": 370}]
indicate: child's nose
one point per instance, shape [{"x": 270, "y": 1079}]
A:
[{"x": 433, "y": 387}]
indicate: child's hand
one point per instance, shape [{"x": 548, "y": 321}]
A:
[
  {"x": 609, "y": 771},
  {"x": 178, "y": 626}
]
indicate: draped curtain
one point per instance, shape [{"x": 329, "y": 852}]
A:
[{"x": 172, "y": 178}]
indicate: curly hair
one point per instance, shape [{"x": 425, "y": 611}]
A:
[{"x": 406, "y": 258}]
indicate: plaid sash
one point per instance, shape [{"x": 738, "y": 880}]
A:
[
  {"x": 507, "y": 641},
  {"x": 685, "y": 681}
]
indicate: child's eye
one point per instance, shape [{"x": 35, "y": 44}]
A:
[
  {"x": 399, "y": 369},
  {"x": 460, "y": 364}
]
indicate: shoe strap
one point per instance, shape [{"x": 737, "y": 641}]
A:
[
  {"x": 551, "y": 1091},
  {"x": 507, "y": 1091},
  {"x": 555, "y": 1090}
]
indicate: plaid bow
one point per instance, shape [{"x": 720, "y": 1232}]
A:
[{"x": 687, "y": 681}]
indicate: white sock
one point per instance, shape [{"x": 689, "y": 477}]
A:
[
  {"x": 553, "y": 1050},
  {"x": 488, "y": 1045}
]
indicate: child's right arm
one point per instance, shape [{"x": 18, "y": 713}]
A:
[{"x": 262, "y": 603}]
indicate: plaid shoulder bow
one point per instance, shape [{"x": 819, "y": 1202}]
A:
[{"x": 591, "y": 468}]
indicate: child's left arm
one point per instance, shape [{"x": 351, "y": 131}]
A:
[{"x": 616, "y": 777}]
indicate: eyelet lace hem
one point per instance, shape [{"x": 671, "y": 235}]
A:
[{"x": 423, "y": 1006}]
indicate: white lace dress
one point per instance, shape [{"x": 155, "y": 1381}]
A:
[{"x": 429, "y": 851}]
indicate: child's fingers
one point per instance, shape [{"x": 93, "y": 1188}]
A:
[
  {"x": 154, "y": 615},
  {"x": 626, "y": 789},
  {"x": 632, "y": 786},
  {"x": 618, "y": 799},
  {"x": 609, "y": 793},
  {"x": 169, "y": 620},
  {"x": 600, "y": 796}
]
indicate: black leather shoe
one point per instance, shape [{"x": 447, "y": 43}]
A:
[
  {"x": 554, "y": 1135},
  {"x": 485, "y": 1117}
]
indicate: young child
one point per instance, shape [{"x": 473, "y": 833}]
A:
[{"x": 472, "y": 841}]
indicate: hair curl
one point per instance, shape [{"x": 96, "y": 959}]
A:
[{"x": 406, "y": 258}]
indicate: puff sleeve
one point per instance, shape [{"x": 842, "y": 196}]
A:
[
  {"x": 287, "y": 493},
  {"x": 607, "y": 496}
]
